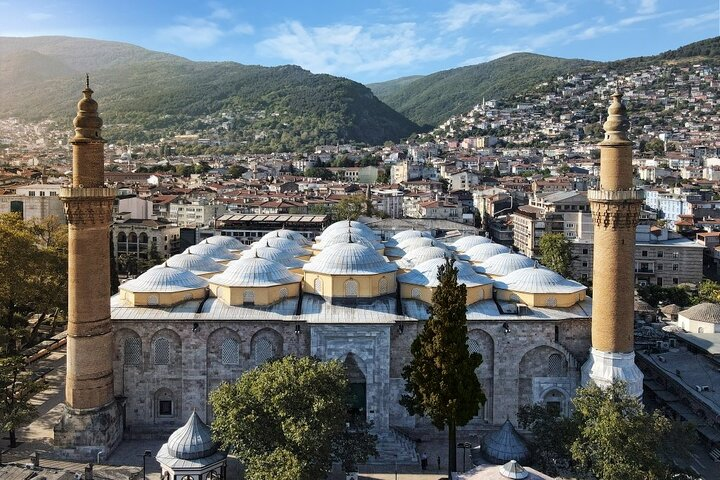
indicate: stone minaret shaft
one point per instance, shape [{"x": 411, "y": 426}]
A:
[
  {"x": 88, "y": 205},
  {"x": 615, "y": 208}
]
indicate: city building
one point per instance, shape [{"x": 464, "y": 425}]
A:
[
  {"x": 35, "y": 201},
  {"x": 138, "y": 237}
]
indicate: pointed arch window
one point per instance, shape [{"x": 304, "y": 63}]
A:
[
  {"x": 161, "y": 351},
  {"x": 383, "y": 286},
  {"x": 351, "y": 288},
  {"x": 132, "y": 351},
  {"x": 230, "y": 352}
]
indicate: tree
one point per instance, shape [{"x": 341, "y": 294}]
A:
[
  {"x": 355, "y": 445},
  {"x": 553, "y": 434},
  {"x": 287, "y": 419},
  {"x": 617, "y": 439},
  {"x": 18, "y": 386},
  {"x": 440, "y": 379},
  {"x": 350, "y": 208},
  {"x": 708, "y": 291},
  {"x": 556, "y": 253}
]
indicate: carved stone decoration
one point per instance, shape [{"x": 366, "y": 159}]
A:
[
  {"x": 88, "y": 211},
  {"x": 615, "y": 216}
]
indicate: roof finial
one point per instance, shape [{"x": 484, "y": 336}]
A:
[
  {"x": 87, "y": 80},
  {"x": 350, "y": 240},
  {"x": 256, "y": 253}
]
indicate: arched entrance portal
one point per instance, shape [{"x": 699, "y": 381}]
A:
[{"x": 358, "y": 388}]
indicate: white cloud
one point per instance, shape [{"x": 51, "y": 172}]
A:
[
  {"x": 695, "y": 21},
  {"x": 243, "y": 29},
  {"x": 345, "y": 49},
  {"x": 647, "y": 6},
  {"x": 512, "y": 13},
  {"x": 198, "y": 33},
  {"x": 39, "y": 16},
  {"x": 605, "y": 28}
]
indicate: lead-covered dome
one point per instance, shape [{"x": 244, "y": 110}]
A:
[
  {"x": 254, "y": 272},
  {"x": 192, "y": 441},
  {"x": 195, "y": 264},
  {"x": 480, "y": 253},
  {"x": 283, "y": 257},
  {"x": 420, "y": 255},
  {"x": 290, "y": 235},
  {"x": 216, "y": 252},
  {"x": 349, "y": 259},
  {"x": 284, "y": 244},
  {"x": 426, "y": 274},
  {"x": 503, "y": 264},
  {"x": 346, "y": 237},
  {"x": 343, "y": 226},
  {"x": 164, "y": 279},
  {"x": 232, "y": 244},
  {"x": 538, "y": 280},
  {"x": 466, "y": 243},
  {"x": 406, "y": 234}
]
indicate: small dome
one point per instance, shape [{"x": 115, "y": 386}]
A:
[
  {"x": 537, "y": 280},
  {"x": 346, "y": 237},
  {"x": 282, "y": 257},
  {"x": 480, "y": 253},
  {"x": 343, "y": 225},
  {"x": 413, "y": 243},
  {"x": 426, "y": 274},
  {"x": 232, "y": 244},
  {"x": 406, "y": 234},
  {"x": 466, "y": 243},
  {"x": 420, "y": 255},
  {"x": 192, "y": 441},
  {"x": 195, "y": 264},
  {"x": 290, "y": 235},
  {"x": 503, "y": 264},
  {"x": 164, "y": 279},
  {"x": 254, "y": 272},
  {"x": 513, "y": 470},
  {"x": 349, "y": 259},
  {"x": 505, "y": 445},
  {"x": 703, "y": 312},
  {"x": 284, "y": 244},
  {"x": 216, "y": 252}
]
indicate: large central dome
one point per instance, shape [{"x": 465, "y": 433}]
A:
[{"x": 349, "y": 259}]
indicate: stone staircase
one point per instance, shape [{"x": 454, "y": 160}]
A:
[{"x": 392, "y": 447}]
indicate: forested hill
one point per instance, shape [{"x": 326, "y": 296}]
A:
[
  {"x": 147, "y": 95},
  {"x": 432, "y": 99}
]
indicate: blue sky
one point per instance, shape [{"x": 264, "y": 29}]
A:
[{"x": 374, "y": 40}]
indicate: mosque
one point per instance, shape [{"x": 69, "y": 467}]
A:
[{"x": 142, "y": 362}]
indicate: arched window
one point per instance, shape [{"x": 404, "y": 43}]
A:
[
  {"x": 416, "y": 293},
  {"x": 230, "y": 352},
  {"x": 153, "y": 300},
  {"x": 473, "y": 346},
  {"x": 132, "y": 351},
  {"x": 248, "y": 297},
  {"x": 351, "y": 288},
  {"x": 701, "y": 330},
  {"x": 283, "y": 293},
  {"x": 161, "y": 351},
  {"x": 132, "y": 237},
  {"x": 143, "y": 237},
  {"x": 122, "y": 237},
  {"x": 318, "y": 286},
  {"x": 551, "y": 302},
  {"x": 264, "y": 351},
  {"x": 383, "y": 286},
  {"x": 556, "y": 365}
]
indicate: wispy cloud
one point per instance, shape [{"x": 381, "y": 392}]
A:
[
  {"x": 604, "y": 28},
  {"x": 696, "y": 21},
  {"x": 647, "y": 6},
  {"x": 512, "y": 13},
  {"x": 39, "y": 16},
  {"x": 346, "y": 49},
  {"x": 206, "y": 31}
]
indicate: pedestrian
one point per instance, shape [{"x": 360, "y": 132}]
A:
[
  {"x": 438, "y": 463},
  {"x": 423, "y": 461}
]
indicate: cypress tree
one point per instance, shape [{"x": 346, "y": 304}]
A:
[{"x": 441, "y": 380}]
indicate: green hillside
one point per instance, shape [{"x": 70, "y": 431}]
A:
[
  {"x": 147, "y": 95},
  {"x": 431, "y": 99}
]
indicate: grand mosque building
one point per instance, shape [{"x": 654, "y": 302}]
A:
[{"x": 140, "y": 363}]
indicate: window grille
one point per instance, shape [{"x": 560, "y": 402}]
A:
[
  {"x": 318, "y": 286},
  {"x": 551, "y": 302},
  {"x": 351, "y": 288},
  {"x": 264, "y": 351},
  {"x": 161, "y": 351},
  {"x": 153, "y": 300},
  {"x": 133, "y": 351},
  {"x": 283, "y": 293},
  {"x": 416, "y": 293},
  {"x": 248, "y": 297},
  {"x": 473, "y": 346},
  {"x": 555, "y": 365},
  {"x": 230, "y": 352},
  {"x": 383, "y": 286}
]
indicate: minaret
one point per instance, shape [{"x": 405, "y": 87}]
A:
[
  {"x": 92, "y": 416},
  {"x": 615, "y": 210}
]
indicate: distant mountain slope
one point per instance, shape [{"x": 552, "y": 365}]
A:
[
  {"x": 431, "y": 99},
  {"x": 145, "y": 95}
]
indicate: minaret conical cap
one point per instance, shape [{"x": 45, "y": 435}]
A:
[
  {"x": 617, "y": 124},
  {"x": 87, "y": 122}
]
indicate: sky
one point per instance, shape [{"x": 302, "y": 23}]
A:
[{"x": 373, "y": 40}]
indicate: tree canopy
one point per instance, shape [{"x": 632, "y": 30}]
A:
[
  {"x": 440, "y": 380},
  {"x": 288, "y": 419},
  {"x": 556, "y": 254}
]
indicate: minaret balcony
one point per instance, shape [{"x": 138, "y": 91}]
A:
[
  {"x": 634, "y": 195},
  {"x": 89, "y": 192}
]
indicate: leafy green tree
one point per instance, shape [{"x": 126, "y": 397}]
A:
[
  {"x": 654, "y": 295},
  {"x": 350, "y": 208},
  {"x": 708, "y": 291},
  {"x": 553, "y": 434},
  {"x": 556, "y": 253},
  {"x": 18, "y": 387},
  {"x": 440, "y": 379},
  {"x": 286, "y": 419}
]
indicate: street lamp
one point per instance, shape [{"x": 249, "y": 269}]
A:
[{"x": 145, "y": 455}]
